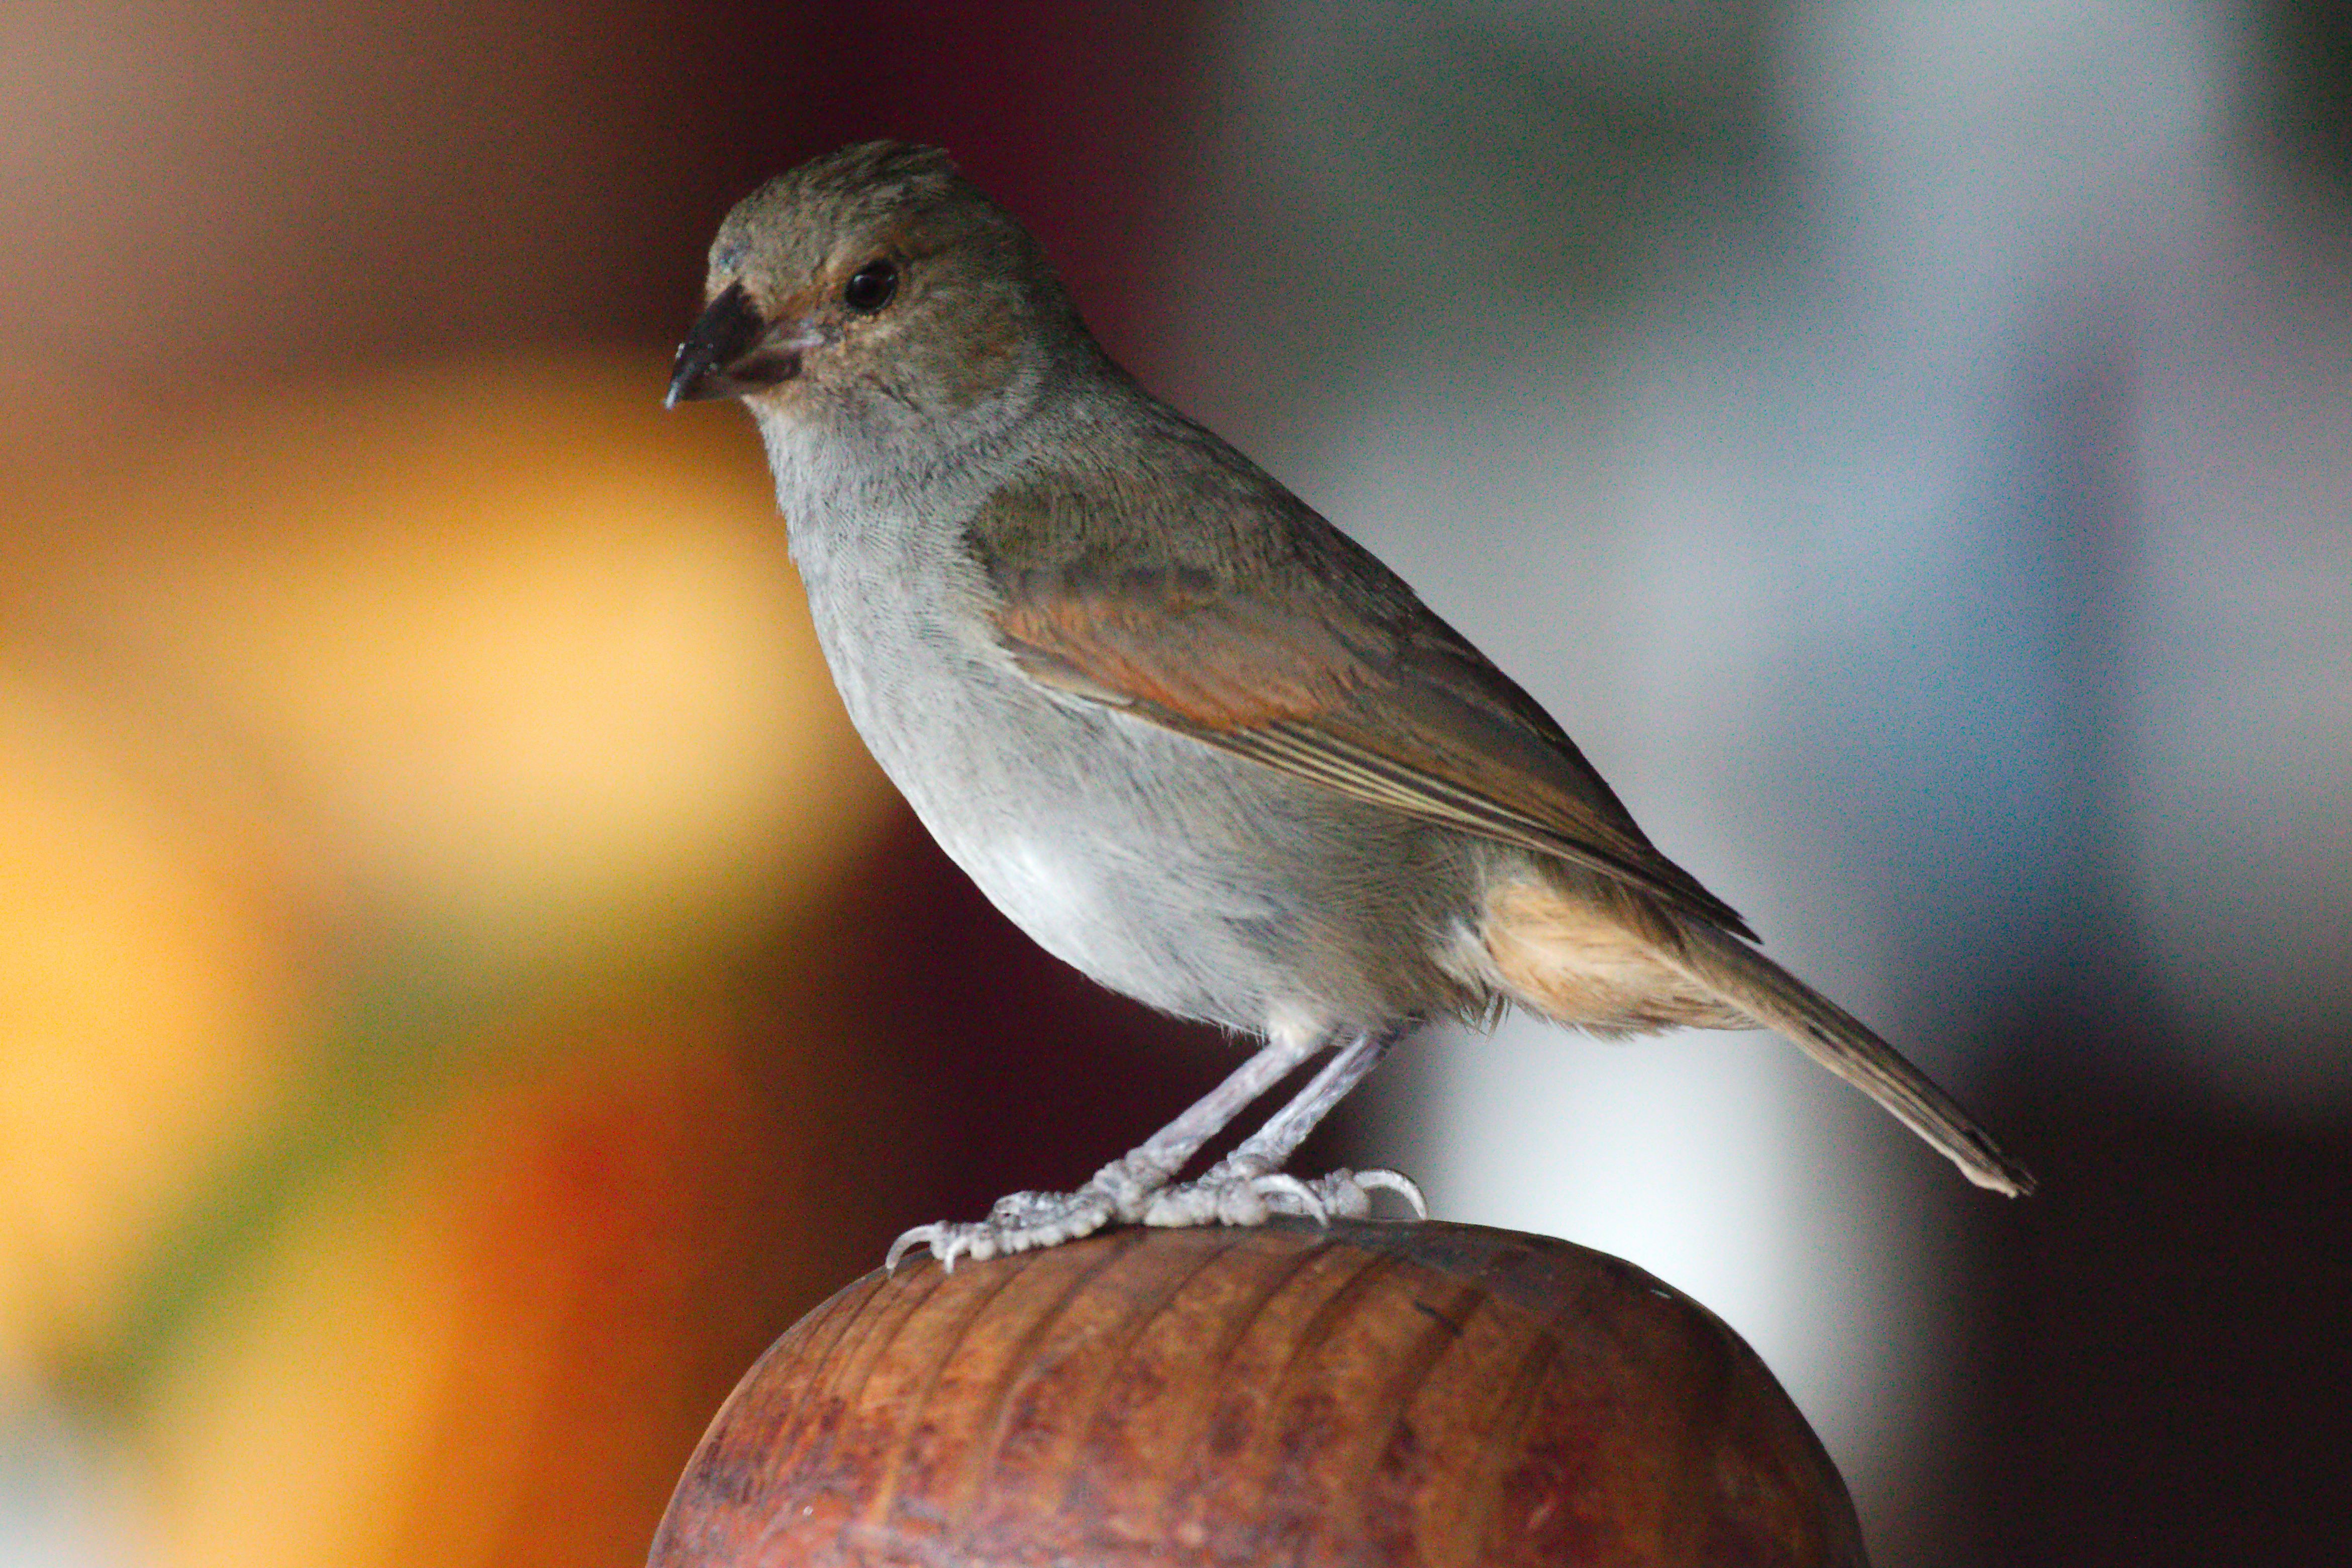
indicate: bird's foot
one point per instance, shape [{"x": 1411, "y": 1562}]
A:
[
  {"x": 1235, "y": 1191},
  {"x": 1241, "y": 1192},
  {"x": 1019, "y": 1222}
]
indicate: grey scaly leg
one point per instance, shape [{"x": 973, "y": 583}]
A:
[
  {"x": 1122, "y": 1189},
  {"x": 1247, "y": 1184}
]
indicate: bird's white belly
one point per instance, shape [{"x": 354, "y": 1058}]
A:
[
  {"x": 1043, "y": 890},
  {"x": 1056, "y": 815},
  {"x": 1083, "y": 905}
]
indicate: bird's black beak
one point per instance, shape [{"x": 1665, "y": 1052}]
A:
[{"x": 731, "y": 351}]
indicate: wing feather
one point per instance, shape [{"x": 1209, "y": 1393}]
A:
[{"x": 1317, "y": 662}]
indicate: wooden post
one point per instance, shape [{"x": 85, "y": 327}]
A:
[{"x": 1371, "y": 1394}]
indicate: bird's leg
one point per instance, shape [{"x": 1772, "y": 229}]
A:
[
  {"x": 1123, "y": 1189},
  {"x": 1160, "y": 1156},
  {"x": 1247, "y": 1184}
]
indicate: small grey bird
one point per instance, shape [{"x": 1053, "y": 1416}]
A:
[{"x": 1183, "y": 731}]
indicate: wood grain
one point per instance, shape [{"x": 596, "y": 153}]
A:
[{"x": 1373, "y": 1394}]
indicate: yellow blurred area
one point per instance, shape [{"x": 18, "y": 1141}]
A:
[
  {"x": 142, "y": 977},
  {"x": 527, "y": 649},
  {"x": 394, "y": 778}
]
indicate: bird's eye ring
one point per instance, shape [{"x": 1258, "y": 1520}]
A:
[{"x": 871, "y": 287}]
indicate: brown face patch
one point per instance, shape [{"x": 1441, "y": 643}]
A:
[
  {"x": 805, "y": 303},
  {"x": 989, "y": 339},
  {"x": 951, "y": 335}
]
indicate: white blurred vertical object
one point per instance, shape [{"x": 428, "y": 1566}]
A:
[{"x": 1674, "y": 352}]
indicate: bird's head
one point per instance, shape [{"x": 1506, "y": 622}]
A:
[{"x": 875, "y": 287}]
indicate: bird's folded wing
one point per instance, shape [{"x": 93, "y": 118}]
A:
[{"x": 1401, "y": 712}]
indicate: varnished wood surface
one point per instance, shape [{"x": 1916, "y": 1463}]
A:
[{"x": 1371, "y": 1394}]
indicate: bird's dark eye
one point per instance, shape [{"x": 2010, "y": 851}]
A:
[{"x": 870, "y": 287}]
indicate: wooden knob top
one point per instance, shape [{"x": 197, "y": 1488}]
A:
[{"x": 1372, "y": 1394}]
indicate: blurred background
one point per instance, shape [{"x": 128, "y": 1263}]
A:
[{"x": 463, "y": 989}]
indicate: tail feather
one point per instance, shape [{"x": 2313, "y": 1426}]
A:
[{"x": 1777, "y": 1000}]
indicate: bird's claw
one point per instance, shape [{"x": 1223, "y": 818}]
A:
[
  {"x": 1019, "y": 1222},
  {"x": 932, "y": 1235},
  {"x": 1365, "y": 1183},
  {"x": 997, "y": 1235}
]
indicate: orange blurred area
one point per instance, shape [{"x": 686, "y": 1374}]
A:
[
  {"x": 526, "y": 652},
  {"x": 145, "y": 976},
  {"x": 419, "y": 799},
  {"x": 487, "y": 1342}
]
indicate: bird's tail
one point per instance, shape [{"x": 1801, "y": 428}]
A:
[{"x": 1777, "y": 1000}]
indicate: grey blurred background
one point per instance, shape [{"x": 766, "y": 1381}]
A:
[{"x": 464, "y": 990}]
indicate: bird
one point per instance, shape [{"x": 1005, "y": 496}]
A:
[{"x": 1186, "y": 734}]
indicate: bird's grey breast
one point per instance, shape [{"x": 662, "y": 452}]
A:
[
  {"x": 1016, "y": 786},
  {"x": 1111, "y": 842},
  {"x": 1158, "y": 866}
]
